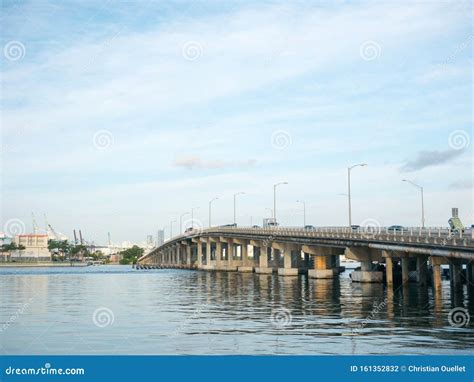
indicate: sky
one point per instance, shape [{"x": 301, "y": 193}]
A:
[{"x": 121, "y": 116}]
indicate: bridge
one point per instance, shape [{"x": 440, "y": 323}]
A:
[{"x": 287, "y": 251}]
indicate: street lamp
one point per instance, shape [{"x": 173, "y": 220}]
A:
[
  {"x": 422, "y": 202},
  {"x": 210, "y": 202},
  {"x": 192, "y": 216},
  {"x": 171, "y": 228},
  {"x": 181, "y": 221},
  {"x": 235, "y": 195},
  {"x": 274, "y": 199},
  {"x": 349, "y": 188},
  {"x": 304, "y": 211}
]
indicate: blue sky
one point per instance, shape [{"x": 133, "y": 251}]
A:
[{"x": 119, "y": 116}]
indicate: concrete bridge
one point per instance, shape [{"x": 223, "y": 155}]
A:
[{"x": 383, "y": 253}]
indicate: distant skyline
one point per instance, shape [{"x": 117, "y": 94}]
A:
[{"x": 120, "y": 118}]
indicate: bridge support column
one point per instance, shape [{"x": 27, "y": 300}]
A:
[
  {"x": 422, "y": 268},
  {"x": 246, "y": 266},
  {"x": 436, "y": 266},
  {"x": 188, "y": 256},
  {"x": 405, "y": 260},
  {"x": 287, "y": 269},
  {"x": 389, "y": 270},
  {"x": 326, "y": 264},
  {"x": 199, "y": 254},
  {"x": 470, "y": 274},
  {"x": 208, "y": 266},
  {"x": 365, "y": 256},
  {"x": 230, "y": 256},
  {"x": 220, "y": 265},
  {"x": 263, "y": 261},
  {"x": 455, "y": 272}
]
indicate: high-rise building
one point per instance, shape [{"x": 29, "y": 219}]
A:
[
  {"x": 160, "y": 238},
  {"x": 149, "y": 241}
]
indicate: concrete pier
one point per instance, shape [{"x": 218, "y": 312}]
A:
[
  {"x": 366, "y": 256},
  {"x": 287, "y": 269},
  {"x": 263, "y": 261},
  {"x": 247, "y": 264}
]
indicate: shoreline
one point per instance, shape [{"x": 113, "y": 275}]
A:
[{"x": 39, "y": 265}]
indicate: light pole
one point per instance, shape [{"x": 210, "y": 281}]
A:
[
  {"x": 422, "y": 201},
  {"x": 192, "y": 216},
  {"x": 274, "y": 199},
  {"x": 304, "y": 211},
  {"x": 349, "y": 188},
  {"x": 181, "y": 221},
  {"x": 171, "y": 228},
  {"x": 235, "y": 195},
  {"x": 210, "y": 202}
]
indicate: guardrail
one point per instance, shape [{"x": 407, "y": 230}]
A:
[{"x": 430, "y": 235}]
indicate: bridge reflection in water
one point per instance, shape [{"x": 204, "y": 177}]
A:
[{"x": 321, "y": 316}]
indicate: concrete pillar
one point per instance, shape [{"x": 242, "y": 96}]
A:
[
  {"x": 219, "y": 262},
  {"x": 322, "y": 267},
  {"x": 287, "y": 270},
  {"x": 263, "y": 261},
  {"x": 246, "y": 266},
  {"x": 405, "y": 272},
  {"x": 208, "y": 265},
  {"x": 470, "y": 274},
  {"x": 199, "y": 255},
  {"x": 421, "y": 267},
  {"x": 366, "y": 256},
  {"x": 437, "y": 277},
  {"x": 230, "y": 256},
  {"x": 188, "y": 255},
  {"x": 323, "y": 262},
  {"x": 389, "y": 270},
  {"x": 455, "y": 270},
  {"x": 366, "y": 266}
]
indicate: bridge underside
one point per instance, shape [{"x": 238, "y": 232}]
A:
[{"x": 380, "y": 262}]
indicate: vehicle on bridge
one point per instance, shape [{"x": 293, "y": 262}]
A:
[
  {"x": 269, "y": 222},
  {"x": 395, "y": 228},
  {"x": 310, "y": 227}
]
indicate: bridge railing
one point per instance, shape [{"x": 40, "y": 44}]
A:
[{"x": 432, "y": 235}]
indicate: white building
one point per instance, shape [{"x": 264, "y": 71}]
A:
[{"x": 36, "y": 248}]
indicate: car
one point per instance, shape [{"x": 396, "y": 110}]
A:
[
  {"x": 255, "y": 226},
  {"x": 355, "y": 227},
  {"x": 232, "y": 225},
  {"x": 310, "y": 227},
  {"x": 395, "y": 228}
]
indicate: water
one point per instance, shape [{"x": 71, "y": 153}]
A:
[{"x": 117, "y": 310}]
